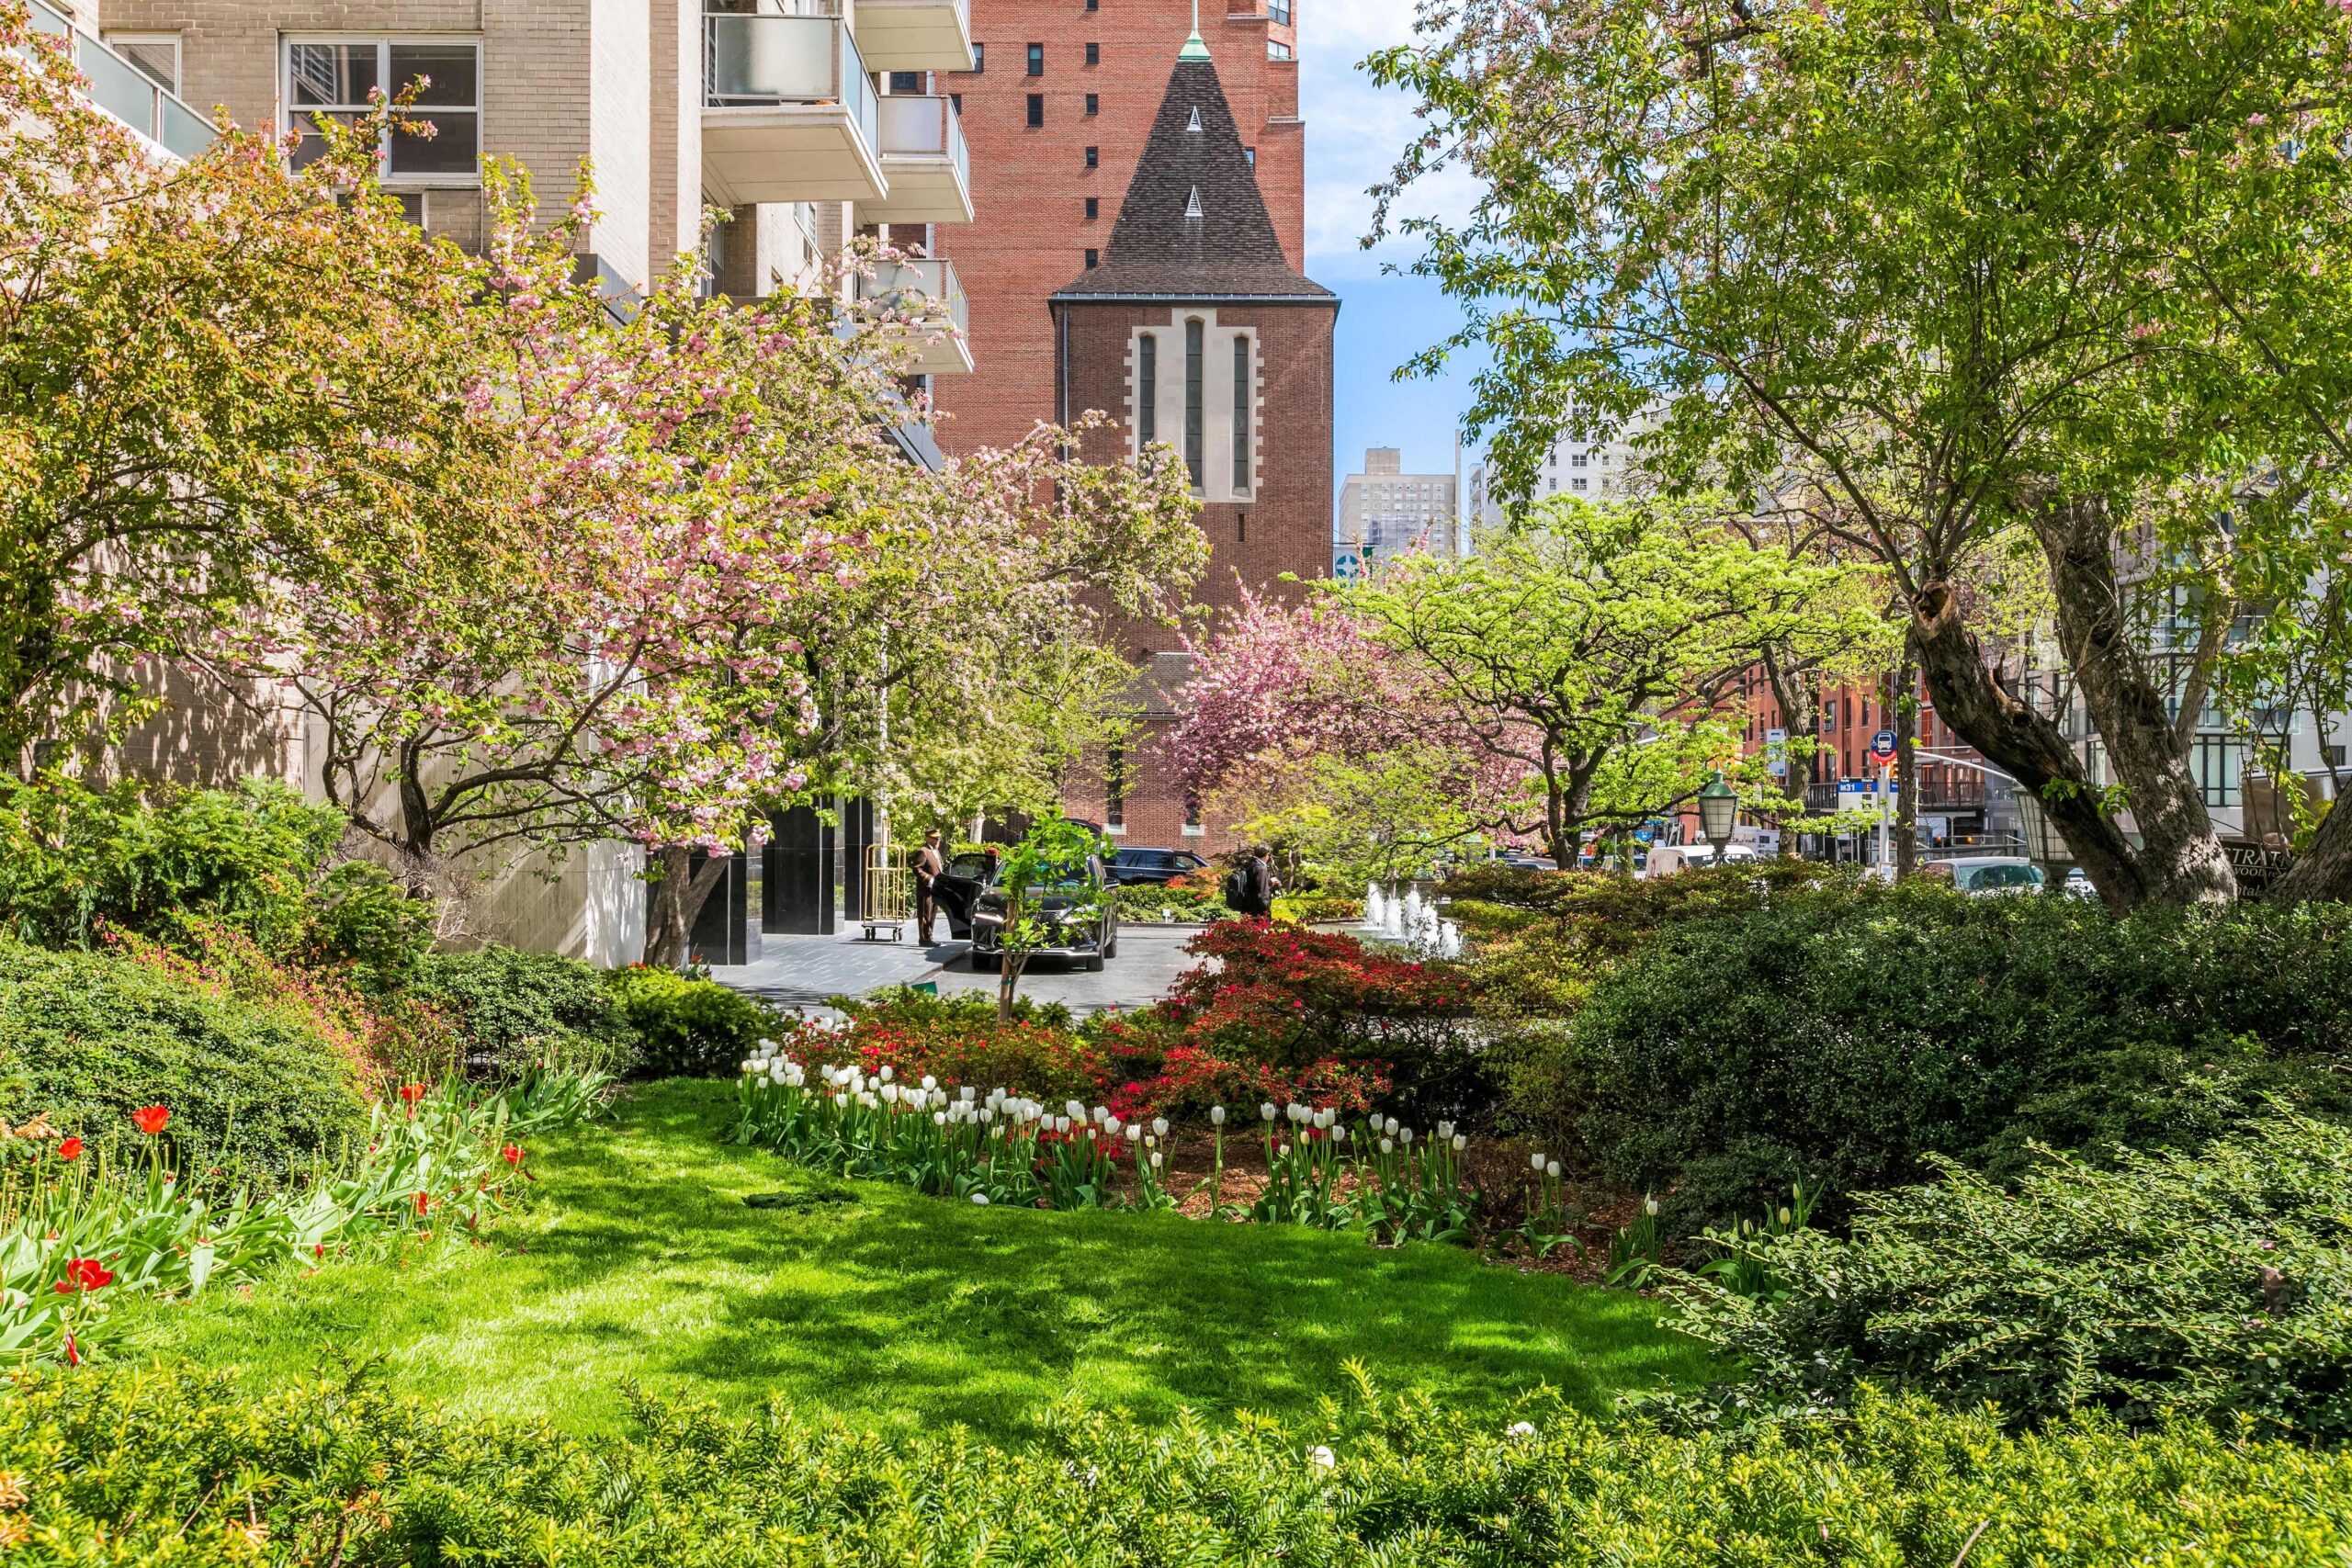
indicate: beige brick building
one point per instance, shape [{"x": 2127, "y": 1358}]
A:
[{"x": 806, "y": 121}]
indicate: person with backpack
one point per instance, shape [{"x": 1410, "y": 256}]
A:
[{"x": 1250, "y": 886}]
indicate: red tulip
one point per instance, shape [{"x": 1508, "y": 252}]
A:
[
  {"x": 411, "y": 1092},
  {"x": 150, "y": 1118},
  {"x": 70, "y": 1149},
  {"x": 512, "y": 1154},
  {"x": 423, "y": 1202},
  {"x": 84, "y": 1274}
]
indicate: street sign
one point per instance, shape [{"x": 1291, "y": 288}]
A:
[
  {"x": 1776, "y": 752},
  {"x": 1882, "y": 747}
]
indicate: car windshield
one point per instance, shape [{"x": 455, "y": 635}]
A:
[
  {"x": 1984, "y": 877},
  {"x": 1053, "y": 878}
]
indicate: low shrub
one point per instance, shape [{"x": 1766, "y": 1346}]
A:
[
  {"x": 86, "y": 1038},
  {"x": 688, "y": 1028},
  {"x": 1172, "y": 903},
  {"x": 2217, "y": 1284},
  {"x": 1281, "y": 996},
  {"x": 1839, "y": 1036},
  {"x": 188, "y": 1467},
  {"x": 512, "y": 1008},
  {"x": 147, "y": 858}
]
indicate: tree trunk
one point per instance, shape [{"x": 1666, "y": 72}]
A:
[
  {"x": 1800, "y": 718},
  {"x": 676, "y": 904},
  {"x": 2180, "y": 857},
  {"x": 1906, "y": 709},
  {"x": 2027, "y": 745},
  {"x": 2323, "y": 871}
]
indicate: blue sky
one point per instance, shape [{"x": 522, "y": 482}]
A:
[{"x": 1354, "y": 132}]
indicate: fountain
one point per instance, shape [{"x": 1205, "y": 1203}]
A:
[
  {"x": 1449, "y": 941},
  {"x": 1392, "y": 918},
  {"x": 1374, "y": 914}
]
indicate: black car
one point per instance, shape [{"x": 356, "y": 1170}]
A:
[
  {"x": 1137, "y": 868},
  {"x": 959, "y": 886},
  {"x": 1087, "y": 940}
]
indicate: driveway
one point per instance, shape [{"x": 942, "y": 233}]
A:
[{"x": 803, "y": 971}]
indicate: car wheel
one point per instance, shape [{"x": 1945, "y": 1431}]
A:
[
  {"x": 1110, "y": 948},
  {"x": 988, "y": 960},
  {"x": 1092, "y": 964}
]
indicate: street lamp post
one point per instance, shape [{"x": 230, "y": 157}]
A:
[{"x": 1718, "y": 804}]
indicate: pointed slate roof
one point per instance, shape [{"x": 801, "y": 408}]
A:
[{"x": 1227, "y": 252}]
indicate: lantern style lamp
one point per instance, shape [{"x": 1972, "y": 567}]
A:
[{"x": 1718, "y": 807}]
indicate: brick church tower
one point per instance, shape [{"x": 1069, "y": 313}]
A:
[{"x": 1195, "y": 331}]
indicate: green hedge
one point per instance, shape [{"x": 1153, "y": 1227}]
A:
[
  {"x": 172, "y": 1467},
  {"x": 1839, "y": 1036},
  {"x": 514, "y": 1009},
  {"x": 688, "y": 1028},
  {"x": 2215, "y": 1285},
  {"x": 86, "y": 1038}
]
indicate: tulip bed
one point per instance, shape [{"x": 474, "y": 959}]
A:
[
  {"x": 952, "y": 1142},
  {"x": 84, "y": 1228}
]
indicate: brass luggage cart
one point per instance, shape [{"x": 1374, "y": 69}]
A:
[{"x": 890, "y": 889}]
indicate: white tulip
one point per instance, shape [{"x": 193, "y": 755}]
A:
[
  {"x": 1134, "y": 1132},
  {"x": 1322, "y": 1457},
  {"x": 1325, "y": 1118},
  {"x": 1553, "y": 1170},
  {"x": 1535, "y": 1163},
  {"x": 939, "y": 1118},
  {"x": 1522, "y": 1429},
  {"x": 1155, "y": 1162},
  {"x": 1405, "y": 1136},
  {"x": 969, "y": 1094},
  {"x": 1216, "y": 1115},
  {"x": 1160, "y": 1126},
  {"x": 887, "y": 1073},
  {"x": 1460, "y": 1143},
  {"x": 1445, "y": 1129},
  {"x": 929, "y": 1083},
  {"x": 1389, "y": 1127},
  {"x": 1103, "y": 1117},
  {"x": 1338, "y": 1135},
  {"x": 1649, "y": 1207},
  {"x": 1267, "y": 1110},
  {"x": 1387, "y": 1146},
  {"x": 1111, "y": 1124},
  {"x": 1061, "y": 1124},
  {"x": 1077, "y": 1110},
  {"x": 889, "y": 1094},
  {"x": 1282, "y": 1148}
]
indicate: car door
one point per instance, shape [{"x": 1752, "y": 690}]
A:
[{"x": 957, "y": 887}]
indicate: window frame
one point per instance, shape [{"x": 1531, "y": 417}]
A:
[
  {"x": 384, "y": 43},
  {"x": 1244, "y": 406},
  {"x": 1147, "y": 389},
  {"x": 136, "y": 37},
  {"x": 1036, "y": 112},
  {"x": 1196, "y": 354},
  {"x": 1034, "y": 60}
]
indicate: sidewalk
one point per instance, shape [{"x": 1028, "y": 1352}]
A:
[{"x": 803, "y": 971}]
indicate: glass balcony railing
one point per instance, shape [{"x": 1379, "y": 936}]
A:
[
  {"x": 128, "y": 93},
  {"x": 924, "y": 289},
  {"x": 756, "y": 59},
  {"x": 915, "y": 126}
]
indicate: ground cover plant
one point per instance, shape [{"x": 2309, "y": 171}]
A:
[
  {"x": 182, "y": 1468},
  {"x": 2217, "y": 1284},
  {"x": 685, "y": 1024},
  {"x": 656, "y": 1252}
]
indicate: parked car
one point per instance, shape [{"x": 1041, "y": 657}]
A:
[
  {"x": 1132, "y": 867},
  {"x": 959, "y": 887},
  {"x": 1665, "y": 859},
  {"x": 1086, "y": 940},
  {"x": 1986, "y": 876}
]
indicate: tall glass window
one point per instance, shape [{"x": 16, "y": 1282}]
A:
[
  {"x": 1194, "y": 353},
  {"x": 1148, "y": 390},
  {"x": 1240, "y": 414},
  {"x": 1115, "y": 789}
]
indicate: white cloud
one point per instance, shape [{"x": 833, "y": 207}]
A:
[{"x": 1354, "y": 132}]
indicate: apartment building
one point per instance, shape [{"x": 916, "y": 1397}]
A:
[
  {"x": 1589, "y": 470},
  {"x": 1386, "y": 512},
  {"x": 805, "y": 121}
]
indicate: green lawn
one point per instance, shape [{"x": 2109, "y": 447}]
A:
[{"x": 640, "y": 1260}]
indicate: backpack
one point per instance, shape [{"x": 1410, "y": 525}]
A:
[{"x": 1237, "y": 888}]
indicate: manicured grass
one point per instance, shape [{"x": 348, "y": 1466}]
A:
[{"x": 640, "y": 1260}]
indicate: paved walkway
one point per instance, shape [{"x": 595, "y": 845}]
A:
[{"x": 803, "y": 971}]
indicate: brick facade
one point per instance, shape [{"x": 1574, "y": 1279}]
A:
[{"x": 1030, "y": 186}]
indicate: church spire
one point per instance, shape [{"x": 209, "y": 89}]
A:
[{"x": 1193, "y": 47}]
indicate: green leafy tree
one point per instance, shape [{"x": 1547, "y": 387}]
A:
[
  {"x": 1043, "y": 887},
  {"x": 1972, "y": 269}
]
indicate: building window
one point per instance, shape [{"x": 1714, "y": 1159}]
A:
[
  {"x": 1240, "y": 414},
  {"x": 1578, "y": 460},
  {"x": 332, "y": 78},
  {"x": 906, "y": 81},
  {"x": 1277, "y": 49},
  {"x": 1250, "y": 156},
  {"x": 157, "y": 55},
  {"x": 1094, "y": 157},
  {"x": 1147, "y": 389},
  {"x": 1242, "y": 527},
  {"x": 1037, "y": 60},
  {"x": 1278, "y": 12},
  {"x": 1093, "y": 103},
  {"x": 1093, "y": 50},
  {"x": 957, "y": 100},
  {"x": 2218, "y": 764},
  {"x": 1093, "y": 259},
  {"x": 1093, "y": 208},
  {"x": 1037, "y": 109},
  {"x": 979, "y": 58},
  {"x": 1195, "y": 351},
  {"x": 1114, "y": 790},
  {"x": 1193, "y": 811}
]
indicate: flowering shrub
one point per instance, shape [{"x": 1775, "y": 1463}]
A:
[
  {"x": 81, "y": 1230},
  {"x": 198, "y": 1471},
  {"x": 688, "y": 1028}
]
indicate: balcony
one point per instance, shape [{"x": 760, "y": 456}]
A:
[
  {"x": 789, "y": 113},
  {"x": 924, "y": 158},
  {"x": 926, "y": 291},
  {"x": 128, "y": 93},
  {"x": 916, "y": 35}
]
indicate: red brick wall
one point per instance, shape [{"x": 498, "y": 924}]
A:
[{"x": 1030, "y": 232}]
